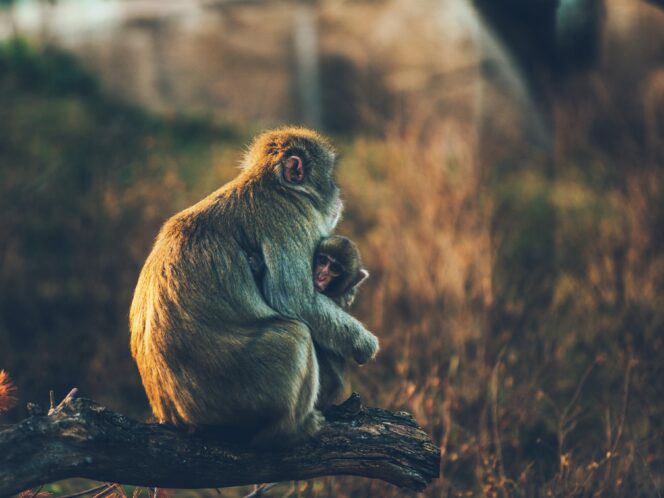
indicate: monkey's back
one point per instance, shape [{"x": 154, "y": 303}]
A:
[{"x": 188, "y": 321}]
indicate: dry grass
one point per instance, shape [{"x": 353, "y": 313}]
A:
[
  {"x": 520, "y": 310},
  {"x": 7, "y": 390},
  {"x": 560, "y": 398}
]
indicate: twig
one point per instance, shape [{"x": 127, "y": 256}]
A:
[
  {"x": 70, "y": 396},
  {"x": 106, "y": 490},
  {"x": 447, "y": 417},
  {"x": 493, "y": 389},
  {"x": 86, "y": 491},
  {"x": 577, "y": 393},
  {"x": 623, "y": 413},
  {"x": 35, "y": 493},
  {"x": 261, "y": 490},
  {"x": 562, "y": 419}
]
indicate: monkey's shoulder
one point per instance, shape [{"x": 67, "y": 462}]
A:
[
  {"x": 197, "y": 224},
  {"x": 194, "y": 239}
]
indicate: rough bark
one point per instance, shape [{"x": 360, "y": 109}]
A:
[{"x": 80, "y": 438}]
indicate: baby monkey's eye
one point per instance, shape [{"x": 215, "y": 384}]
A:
[
  {"x": 322, "y": 260},
  {"x": 336, "y": 268}
]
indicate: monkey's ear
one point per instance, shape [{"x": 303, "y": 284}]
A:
[
  {"x": 362, "y": 275},
  {"x": 294, "y": 170}
]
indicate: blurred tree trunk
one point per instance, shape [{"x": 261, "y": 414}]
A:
[
  {"x": 659, "y": 3},
  {"x": 45, "y": 15},
  {"x": 547, "y": 41},
  {"x": 305, "y": 44},
  {"x": 10, "y": 6}
]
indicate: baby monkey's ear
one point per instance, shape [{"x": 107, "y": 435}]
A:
[{"x": 362, "y": 275}]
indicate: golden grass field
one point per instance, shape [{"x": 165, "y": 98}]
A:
[{"x": 519, "y": 299}]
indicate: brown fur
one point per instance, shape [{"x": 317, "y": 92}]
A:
[{"x": 211, "y": 346}]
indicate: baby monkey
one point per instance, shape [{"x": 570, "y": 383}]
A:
[
  {"x": 338, "y": 270},
  {"x": 337, "y": 273}
]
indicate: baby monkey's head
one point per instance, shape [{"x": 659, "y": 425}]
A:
[{"x": 337, "y": 266}]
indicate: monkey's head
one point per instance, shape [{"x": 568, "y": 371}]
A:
[
  {"x": 298, "y": 163},
  {"x": 337, "y": 266}
]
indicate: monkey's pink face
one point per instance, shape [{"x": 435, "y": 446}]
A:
[{"x": 325, "y": 271}]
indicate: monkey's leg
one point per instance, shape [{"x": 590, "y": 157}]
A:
[
  {"x": 257, "y": 378},
  {"x": 332, "y": 371},
  {"x": 292, "y": 402}
]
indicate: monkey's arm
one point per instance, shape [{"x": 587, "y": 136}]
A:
[{"x": 288, "y": 288}]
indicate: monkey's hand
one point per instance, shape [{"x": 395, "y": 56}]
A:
[
  {"x": 288, "y": 289},
  {"x": 365, "y": 347}
]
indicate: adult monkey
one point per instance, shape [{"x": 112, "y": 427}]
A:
[{"x": 211, "y": 347}]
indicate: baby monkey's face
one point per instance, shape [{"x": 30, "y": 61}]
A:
[{"x": 325, "y": 271}]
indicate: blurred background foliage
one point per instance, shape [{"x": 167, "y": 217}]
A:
[{"x": 502, "y": 171}]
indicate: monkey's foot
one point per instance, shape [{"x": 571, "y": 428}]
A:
[
  {"x": 313, "y": 423},
  {"x": 349, "y": 409}
]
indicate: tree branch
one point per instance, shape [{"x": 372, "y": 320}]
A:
[{"x": 80, "y": 438}]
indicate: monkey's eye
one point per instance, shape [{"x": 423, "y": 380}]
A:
[
  {"x": 321, "y": 260},
  {"x": 336, "y": 268}
]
